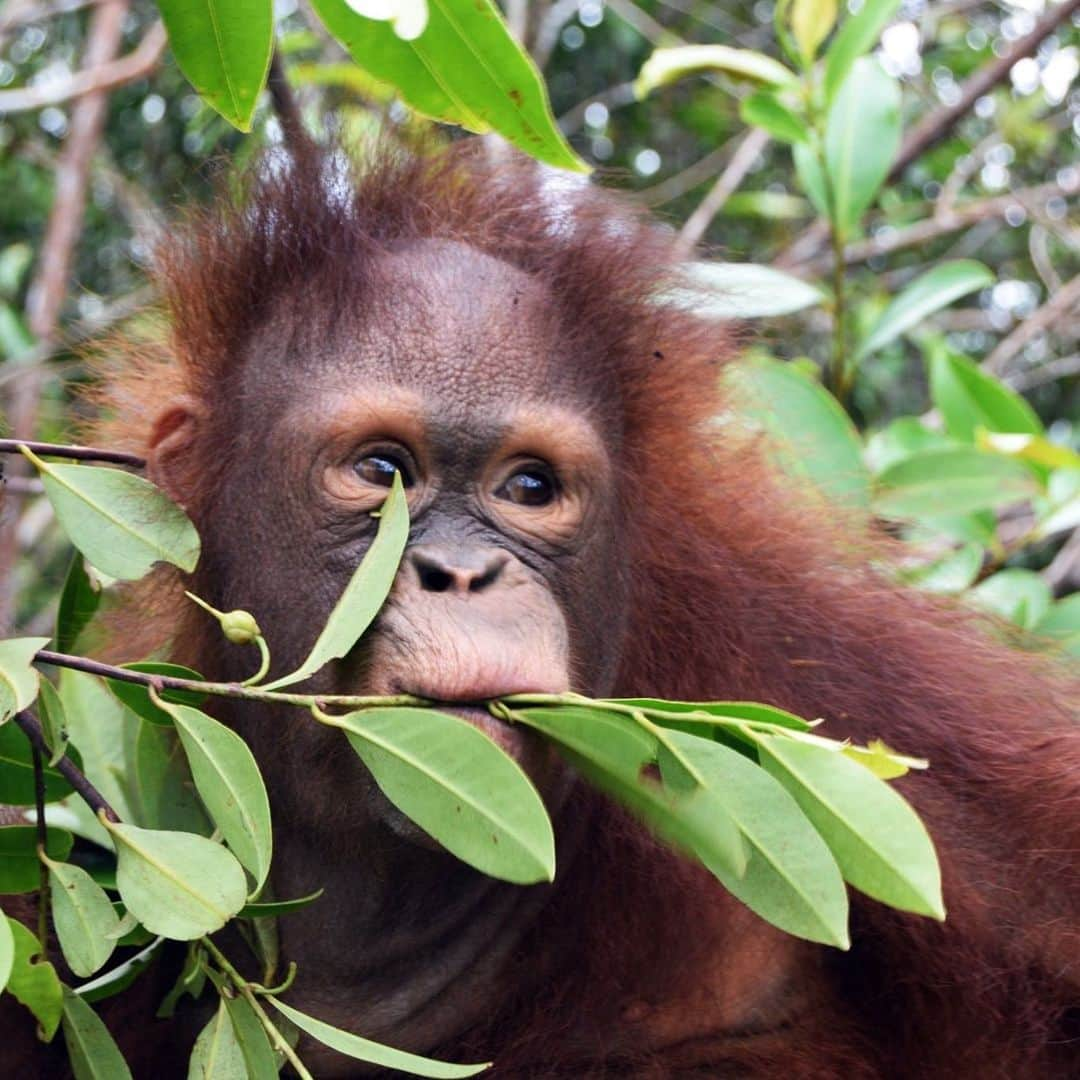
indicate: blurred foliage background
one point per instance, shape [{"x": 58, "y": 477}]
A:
[{"x": 999, "y": 186}]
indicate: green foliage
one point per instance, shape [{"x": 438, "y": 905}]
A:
[
  {"x": 365, "y": 1050},
  {"x": 122, "y": 523},
  {"x": 20, "y": 871},
  {"x": 223, "y": 47},
  {"x": 367, "y": 590},
  {"x": 779, "y": 814},
  {"x": 464, "y": 69},
  {"x": 458, "y": 786},
  {"x": 91, "y": 1050}
]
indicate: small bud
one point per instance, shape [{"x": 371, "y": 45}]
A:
[{"x": 240, "y": 627}]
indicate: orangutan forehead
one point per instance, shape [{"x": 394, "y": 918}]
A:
[{"x": 442, "y": 321}]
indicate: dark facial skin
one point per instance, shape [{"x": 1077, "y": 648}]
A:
[{"x": 507, "y": 585}]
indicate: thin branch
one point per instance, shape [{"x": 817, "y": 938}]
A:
[
  {"x": 1064, "y": 568},
  {"x": 286, "y": 108},
  {"x": 45, "y": 297},
  {"x": 936, "y": 125},
  {"x": 217, "y": 689},
  {"x": 1063, "y": 367},
  {"x": 547, "y": 34},
  {"x": 1059, "y": 305},
  {"x": 676, "y": 186},
  {"x": 951, "y": 220},
  {"x": 76, "y": 453},
  {"x": 66, "y": 768},
  {"x": 617, "y": 96},
  {"x": 24, "y": 14},
  {"x": 37, "y": 760},
  {"x": 100, "y": 78},
  {"x": 751, "y": 145}
]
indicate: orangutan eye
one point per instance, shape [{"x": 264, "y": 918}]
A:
[
  {"x": 533, "y": 485},
  {"x": 379, "y": 468}
]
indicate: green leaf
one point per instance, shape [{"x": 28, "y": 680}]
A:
[
  {"x": 791, "y": 879},
  {"x": 122, "y": 523},
  {"x": 465, "y": 68},
  {"x": 230, "y": 786},
  {"x": 271, "y": 909},
  {"x": 80, "y": 599},
  {"x": 91, "y": 1050},
  {"x": 34, "y": 982},
  {"x": 615, "y": 754},
  {"x": 764, "y": 110},
  {"x": 159, "y": 783},
  {"x": 458, "y": 786},
  {"x": 20, "y": 871},
  {"x": 811, "y": 22},
  {"x": 17, "y": 771},
  {"x": 951, "y": 481},
  {"x": 969, "y": 398},
  {"x": 83, "y": 917},
  {"x": 104, "y": 731},
  {"x": 739, "y": 291},
  {"x": 1061, "y": 623},
  {"x": 217, "y": 1054},
  {"x": 812, "y": 435},
  {"x": 862, "y": 135},
  {"x": 50, "y": 712},
  {"x": 1019, "y": 595},
  {"x": 223, "y": 48},
  {"x": 365, "y": 593},
  {"x": 811, "y": 177},
  {"x": 137, "y": 697},
  {"x": 176, "y": 884},
  {"x": 881, "y": 846},
  {"x": 952, "y": 573},
  {"x": 253, "y": 1040},
  {"x": 660, "y": 710},
  {"x": 902, "y": 438},
  {"x": 857, "y": 36},
  {"x": 666, "y": 66},
  {"x": 18, "y": 678},
  {"x": 7, "y": 951},
  {"x": 929, "y": 292},
  {"x": 119, "y": 978},
  {"x": 365, "y": 1050}
]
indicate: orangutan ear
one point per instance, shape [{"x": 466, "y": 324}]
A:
[{"x": 171, "y": 460}]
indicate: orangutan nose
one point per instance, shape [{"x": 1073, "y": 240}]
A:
[{"x": 456, "y": 570}]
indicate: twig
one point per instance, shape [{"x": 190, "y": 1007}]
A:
[
  {"x": 547, "y": 33},
  {"x": 286, "y": 108},
  {"x": 1065, "y": 566},
  {"x": 936, "y": 125},
  {"x": 76, "y": 453},
  {"x": 921, "y": 232},
  {"x": 42, "y": 843},
  {"x": 23, "y": 14},
  {"x": 99, "y": 78},
  {"x": 1061, "y": 368},
  {"x": 217, "y": 689},
  {"x": 751, "y": 145},
  {"x": 1035, "y": 324},
  {"x": 615, "y": 96},
  {"x": 66, "y": 768},
  {"x": 643, "y": 22},
  {"x": 678, "y": 185},
  {"x": 46, "y": 294}
]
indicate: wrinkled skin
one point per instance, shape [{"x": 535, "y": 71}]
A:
[{"x": 493, "y": 597}]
